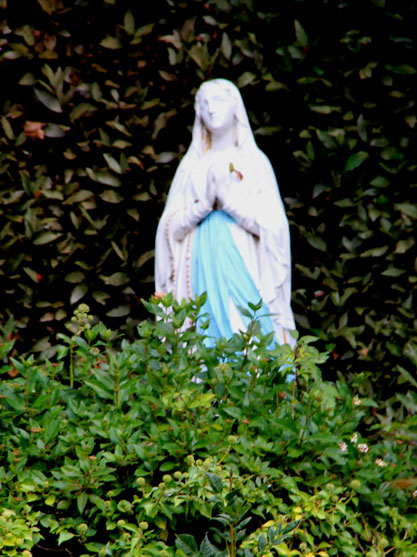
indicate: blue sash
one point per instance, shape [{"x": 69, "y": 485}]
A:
[{"x": 219, "y": 269}]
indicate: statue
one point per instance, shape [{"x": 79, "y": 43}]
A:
[{"x": 224, "y": 230}]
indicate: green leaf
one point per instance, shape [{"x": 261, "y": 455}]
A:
[
  {"x": 409, "y": 209},
  {"x": 120, "y": 311},
  {"x": 402, "y": 69},
  {"x": 111, "y": 196},
  {"x": 245, "y": 79},
  {"x": 129, "y": 23},
  {"x": 27, "y": 79},
  {"x": 300, "y": 34},
  {"x": 33, "y": 274},
  {"x": 82, "y": 502},
  {"x": 206, "y": 548},
  {"x": 105, "y": 177},
  {"x": 75, "y": 277},
  {"x": 410, "y": 350},
  {"x": 48, "y": 100},
  {"x": 53, "y": 130},
  {"x": 113, "y": 43},
  {"x": 116, "y": 279},
  {"x": 78, "y": 293},
  {"x": 324, "y": 109},
  {"x": 375, "y": 252},
  {"x": 355, "y": 160},
  {"x": 407, "y": 375},
  {"x": 79, "y": 196},
  {"x": 317, "y": 242},
  {"x": 261, "y": 543},
  {"x": 226, "y": 46},
  {"x": 361, "y": 127},
  {"x": 404, "y": 245},
  {"x": 46, "y": 238},
  {"x": 114, "y": 165},
  {"x": 64, "y": 536},
  {"x": 215, "y": 482},
  {"x": 187, "y": 544},
  {"x": 7, "y": 128}
]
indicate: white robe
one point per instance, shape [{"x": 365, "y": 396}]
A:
[{"x": 261, "y": 231}]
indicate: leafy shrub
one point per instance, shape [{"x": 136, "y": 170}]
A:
[
  {"x": 165, "y": 446},
  {"x": 95, "y": 102}
]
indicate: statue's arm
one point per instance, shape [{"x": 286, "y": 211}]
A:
[{"x": 182, "y": 221}]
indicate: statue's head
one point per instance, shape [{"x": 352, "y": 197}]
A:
[{"x": 216, "y": 104}]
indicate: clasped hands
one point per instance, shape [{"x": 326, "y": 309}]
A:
[{"x": 221, "y": 179}]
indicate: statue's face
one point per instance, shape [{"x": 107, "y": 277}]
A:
[{"x": 217, "y": 108}]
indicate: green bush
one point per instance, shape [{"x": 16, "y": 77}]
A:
[{"x": 166, "y": 446}]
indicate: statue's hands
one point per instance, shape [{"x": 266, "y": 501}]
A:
[
  {"x": 218, "y": 180},
  {"x": 211, "y": 187}
]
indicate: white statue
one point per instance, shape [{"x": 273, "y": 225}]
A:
[{"x": 224, "y": 230}]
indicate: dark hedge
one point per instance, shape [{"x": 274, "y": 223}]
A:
[{"x": 96, "y": 109}]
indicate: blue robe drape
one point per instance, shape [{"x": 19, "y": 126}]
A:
[{"x": 218, "y": 268}]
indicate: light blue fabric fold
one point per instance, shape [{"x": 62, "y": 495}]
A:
[{"x": 219, "y": 269}]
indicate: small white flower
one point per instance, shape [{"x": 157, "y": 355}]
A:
[
  {"x": 343, "y": 447},
  {"x": 381, "y": 463},
  {"x": 414, "y": 494},
  {"x": 356, "y": 401},
  {"x": 363, "y": 447},
  {"x": 354, "y": 438}
]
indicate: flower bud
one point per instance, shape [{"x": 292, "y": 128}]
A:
[
  {"x": 355, "y": 484},
  {"x": 143, "y": 525}
]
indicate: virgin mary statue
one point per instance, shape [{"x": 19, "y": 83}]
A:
[{"x": 224, "y": 230}]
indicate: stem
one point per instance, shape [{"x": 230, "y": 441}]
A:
[
  {"x": 232, "y": 529},
  {"x": 72, "y": 365},
  {"x": 27, "y": 391},
  {"x": 116, "y": 387},
  {"x": 232, "y": 542}
]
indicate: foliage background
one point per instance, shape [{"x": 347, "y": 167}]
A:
[{"x": 96, "y": 108}]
